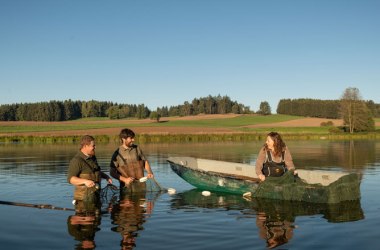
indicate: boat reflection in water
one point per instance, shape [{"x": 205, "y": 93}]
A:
[
  {"x": 130, "y": 213},
  {"x": 274, "y": 218}
]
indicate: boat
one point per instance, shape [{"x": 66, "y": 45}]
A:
[{"x": 316, "y": 186}]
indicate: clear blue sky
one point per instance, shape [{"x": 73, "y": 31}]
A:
[{"x": 165, "y": 52}]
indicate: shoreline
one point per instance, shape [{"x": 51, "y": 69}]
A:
[
  {"x": 185, "y": 138},
  {"x": 200, "y": 128}
]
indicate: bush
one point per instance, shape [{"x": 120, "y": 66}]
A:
[
  {"x": 327, "y": 124},
  {"x": 336, "y": 130}
]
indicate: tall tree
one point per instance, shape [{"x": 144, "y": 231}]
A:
[
  {"x": 264, "y": 108},
  {"x": 354, "y": 111},
  {"x": 154, "y": 115}
]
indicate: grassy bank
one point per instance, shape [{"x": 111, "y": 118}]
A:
[
  {"x": 101, "y": 123},
  {"x": 159, "y": 138},
  {"x": 239, "y": 128}
]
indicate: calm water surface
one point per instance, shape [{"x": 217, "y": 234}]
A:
[{"x": 36, "y": 174}]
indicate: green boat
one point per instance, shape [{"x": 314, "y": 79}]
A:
[{"x": 314, "y": 186}]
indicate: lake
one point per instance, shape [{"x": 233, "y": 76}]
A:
[{"x": 36, "y": 174}]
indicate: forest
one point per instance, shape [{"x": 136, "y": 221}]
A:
[{"x": 72, "y": 110}]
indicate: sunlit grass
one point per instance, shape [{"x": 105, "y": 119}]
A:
[
  {"x": 289, "y": 130},
  {"x": 238, "y": 124},
  {"x": 231, "y": 122},
  {"x": 90, "y": 123}
]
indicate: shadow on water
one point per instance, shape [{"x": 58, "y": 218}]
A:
[{"x": 274, "y": 218}]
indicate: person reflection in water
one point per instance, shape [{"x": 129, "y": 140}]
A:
[
  {"x": 129, "y": 215},
  {"x": 275, "y": 231},
  {"x": 84, "y": 224}
]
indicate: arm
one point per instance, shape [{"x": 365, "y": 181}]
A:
[
  {"x": 113, "y": 167},
  {"x": 80, "y": 181},
  {"x": 259, "y": 164},
  {"x": 105, "y": 176},
  {"x": 73, "y": 173},
  {"x": 289, "y": 160},
  {"x": 148, "y": 169}
]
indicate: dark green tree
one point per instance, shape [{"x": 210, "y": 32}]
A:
[
  {"x": 264, "y": 108},
  {"x": 356, "y": 115},
  {"x": 154, "y": 115}
]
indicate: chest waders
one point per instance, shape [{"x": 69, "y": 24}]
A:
[
  {"x": 83, "y": 193},
  {"x": 134, "y": 169},
  {"x": 274, "y": 169}
]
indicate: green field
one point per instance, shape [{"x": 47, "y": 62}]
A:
[
  {"x": 238, "y": 125},
  {"x": 99, "y": 123}
]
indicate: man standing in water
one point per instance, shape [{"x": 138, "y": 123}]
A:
[
  {"x": 128, "y": 163},
  {"x": 84, "y": 172}
]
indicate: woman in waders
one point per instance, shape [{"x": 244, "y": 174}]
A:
[{"x": 274, "y": 158}]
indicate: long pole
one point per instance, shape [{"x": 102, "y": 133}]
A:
[{"x": 40, "y": 206}]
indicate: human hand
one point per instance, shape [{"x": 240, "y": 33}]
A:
[
  {"x": 261, "y": 177},
  {"x": 127, "y": 180},
  {"x": 89, "y": 183},
  {"x": 150, "y": 175}
]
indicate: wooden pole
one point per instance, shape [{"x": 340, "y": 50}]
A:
[{"x": 40, "y": 206}]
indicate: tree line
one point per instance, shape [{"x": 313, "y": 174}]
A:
[
  {"x": 356, "y": 113},
  {"x": 330, "y": 109},
  {"x": 71, "y": 110}
]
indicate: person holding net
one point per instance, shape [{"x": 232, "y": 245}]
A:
[
  {"x": 274, "y": 158},
  {"x": 85, "y": 173},
  {"x": 128, "y": 164}
]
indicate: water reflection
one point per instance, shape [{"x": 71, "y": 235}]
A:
[
  {"x": 348, "y": 155},
  {"x": 36, "y": 174},
  {"x": 275, "y": 219},
  {"x": 274, "y": 230},
  {"x": 129, "y": 215},
  {"x": 84, "y": 224}
]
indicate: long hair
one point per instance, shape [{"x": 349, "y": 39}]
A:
[{"x": 279, "y": 144}]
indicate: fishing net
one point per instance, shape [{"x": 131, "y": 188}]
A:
[
  {"x": 290, "y": 187},
  {"x": 153, "y": 186},
  {"x": 92, "y": 199},
  {"x": 150, "y": 185},
  {"x": 108, "y": 194},
  {"x": 87, "y": 194}
]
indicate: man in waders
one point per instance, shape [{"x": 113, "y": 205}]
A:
[
  {"x": 85, "y": 174},
  {"x": 128, "y": 163}
]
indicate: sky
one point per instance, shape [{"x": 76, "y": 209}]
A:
[{"x": 165, "y": 52}]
